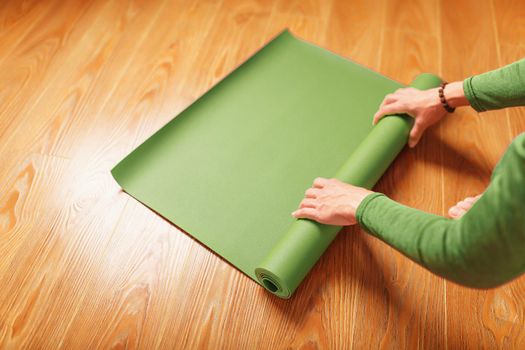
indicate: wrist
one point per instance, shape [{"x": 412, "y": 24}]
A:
[
  {"x": 361, "y": 195},
  {"x": 361, "y": 209},
  {"x": 455, "y": 95},
  {"x": 356, "y": 197}
]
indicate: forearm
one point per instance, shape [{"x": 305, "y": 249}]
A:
[
  {"x": 483, "y": 249},
  {"x": 430, "y": 240},
  {"x": 474, "y": 258},
  {"x": 500, "y": 88}
]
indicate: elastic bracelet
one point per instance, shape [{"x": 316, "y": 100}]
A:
[{"x": 443, "y": 100}]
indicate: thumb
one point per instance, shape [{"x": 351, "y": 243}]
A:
[{"x": 415, "y": 134}]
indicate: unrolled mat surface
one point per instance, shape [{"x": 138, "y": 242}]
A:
[{"x": 231, "y": 168}]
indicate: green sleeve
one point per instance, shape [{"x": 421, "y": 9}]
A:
[
  {"x": 483, "y": 249},
  {"x": 500, "y": 88}
]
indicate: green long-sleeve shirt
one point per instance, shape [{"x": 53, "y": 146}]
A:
[{"x": 486, "y": 247}]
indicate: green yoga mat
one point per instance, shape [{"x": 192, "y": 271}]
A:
[{"x": 231, "y": 168}]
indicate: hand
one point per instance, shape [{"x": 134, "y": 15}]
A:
[
  {"x": 461, "y": 207},
  {"x": 331, "y": 202},
  {"x": 423, "y": 105}
]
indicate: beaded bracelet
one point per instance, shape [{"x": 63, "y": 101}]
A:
[{"x": 443, "y": 100}]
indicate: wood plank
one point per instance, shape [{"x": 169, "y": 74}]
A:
[
  {"x": 82, "y": 265},
  {"x": 355, "y": 32},
  {"x": 468, "y": 165},
  {"x": 17, "y": 21},
  {"x": 30, "y": 208},
  {"x": 402, "y": 303},
  {"x": 502, "y": 311}
]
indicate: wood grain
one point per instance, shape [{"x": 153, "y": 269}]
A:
[
  {"x": 494, "y": 313},
  {"x": 412, "y": 298},
  {"x": 82, "y": 265}
]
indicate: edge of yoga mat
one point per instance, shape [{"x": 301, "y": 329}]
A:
[{"x": 272, "y": 272}]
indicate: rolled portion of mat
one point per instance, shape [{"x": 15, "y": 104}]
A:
[{"x": 283, "y": 269}]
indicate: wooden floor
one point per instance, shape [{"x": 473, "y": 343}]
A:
[{"x": 84, "y": 266}]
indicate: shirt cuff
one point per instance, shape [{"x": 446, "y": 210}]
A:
[
  {"x": 471, "y": 95},
  {"x": 361, "y": 209}
]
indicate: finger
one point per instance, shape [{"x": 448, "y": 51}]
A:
[
  {"x": 379, "y": 114},
  {"x": 392, "y": 108},
  {"x": 464, "y": 205},
  {"x": 311, "y": 193},
  {"x": 388, "y": 100},
  {"x": 459, "y": 213},
  {"x": 308, "y": 203},
  {"x": 307, "y": 213},
  {"x": 376, "y": 117},
  {"x": 456, "y": 212},
  {"x": 415, "y": 134},
  {"x": 319, "y": 182},
  {"x": 470, "y": 200}
]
